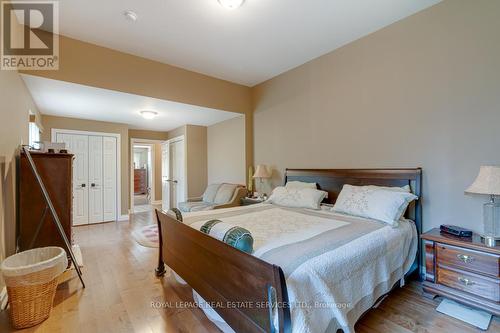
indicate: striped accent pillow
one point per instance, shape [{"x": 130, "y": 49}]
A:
[
  {"x": 175, "y": 213},
  {"x": 235, "y": 236}
]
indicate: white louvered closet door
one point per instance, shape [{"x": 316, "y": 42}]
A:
[
  {"x": 78, "y": 145},
  {"x": 110, "y": 194},
  {"x": 96, "y": 213},
  {"x": 94, "y": 177}
]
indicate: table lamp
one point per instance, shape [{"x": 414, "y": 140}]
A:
[
  {"x": 488, "y": 182},
  {"x": 261, "y": 172}
]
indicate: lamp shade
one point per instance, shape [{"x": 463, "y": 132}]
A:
[
  {"x": 487, "y": 182},
  {"x": 261, "y": 172}
]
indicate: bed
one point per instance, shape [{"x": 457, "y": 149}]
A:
[{"x": 322, "y": 276}]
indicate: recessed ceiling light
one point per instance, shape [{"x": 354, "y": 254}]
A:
[
  {"x": 146, "y": 114},
  {"x": 231, "y": 4},
  {"x": 130, "y": 15}
]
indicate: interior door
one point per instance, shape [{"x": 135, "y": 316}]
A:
[
  {"x": 95, "y": 180},
  {"x": 177, "y": 183},
  {"x": 165, "y": 176},
  {"x": 110, "y": 193},
  {"x": 78, "y": 145}
]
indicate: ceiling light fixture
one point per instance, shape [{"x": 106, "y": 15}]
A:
[
  {"x": 130, "y": 15},
  {"x": 146, "y": 114},
  {"x": 231, "y": 4}
]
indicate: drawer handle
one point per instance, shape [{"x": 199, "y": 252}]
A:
[
  {"x": 466, "y": 281},
  {"x": 465, "y": 258}
]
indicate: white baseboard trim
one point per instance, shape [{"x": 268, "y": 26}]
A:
[
  {"x": 3, "y": 298},
  {"x": 123, "y": 218},
  {"x": 157, "y": 202}
]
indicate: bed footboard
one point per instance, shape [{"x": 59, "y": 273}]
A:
[{"x": 248, "y": 293}]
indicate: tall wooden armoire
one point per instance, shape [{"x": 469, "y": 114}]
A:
[{"x": 56, "y": 171}]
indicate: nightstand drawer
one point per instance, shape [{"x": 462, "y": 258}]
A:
[
  {"x": 471, "y": 283},
  {"x": 470, "y": 260}
]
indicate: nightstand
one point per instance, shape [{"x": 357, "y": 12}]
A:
[
  {"x": 250, "y": 201},
  {"x": 462, "y": 269}
]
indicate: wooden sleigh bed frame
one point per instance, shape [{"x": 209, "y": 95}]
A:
[{"x": 241, "y": 285}]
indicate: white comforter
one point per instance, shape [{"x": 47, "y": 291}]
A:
[{"x": 333, "y": 289}]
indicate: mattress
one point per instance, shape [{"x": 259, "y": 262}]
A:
[{"x": 336, "y": 266}]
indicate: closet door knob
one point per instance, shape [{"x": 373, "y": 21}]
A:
[
  {"x": 93, "y": 185},
  {"x": 83, "y": 185}
]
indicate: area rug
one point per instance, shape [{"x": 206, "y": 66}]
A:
[{"x": 147, "y": 236}]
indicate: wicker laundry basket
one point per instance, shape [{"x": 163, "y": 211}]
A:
[{"x": 31, "y": 280}]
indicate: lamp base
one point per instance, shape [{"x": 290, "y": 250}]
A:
[
  {"x": 490, "y": 241},
  {"x": 491, "y": 216}
]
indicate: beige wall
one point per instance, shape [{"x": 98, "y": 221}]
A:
[
  {"x": 148, "y": 135},
  {"x": 15, "y": 103},
  {"x": 157, "y": 180},
  {"x": 218, "y": 150},
  {"x": 101, "y": 67},
  {"x": 196, "y": 160},
  {"x": 226, "y": 151},
  {"x": 424, "y": 91},
  {"x": 176, "y": 132},
  {"x": 153, "y": 135},
  {"x": 50, "y": 122}
]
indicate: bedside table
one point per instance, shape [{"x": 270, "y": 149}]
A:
[
  {"x": 462, "y": 269},
  {"x": 250, "y": 201}
]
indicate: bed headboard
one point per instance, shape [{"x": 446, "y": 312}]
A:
[{"x": 332, "y": 181}]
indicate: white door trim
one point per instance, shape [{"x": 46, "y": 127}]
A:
[
  {"x": 177, "y": 138},
  {"x": 186, "y": 181},
  {"x": 182, "y": 137},
  {"x": 55, "y": 131},
  {"x": 151, "y": 143}
]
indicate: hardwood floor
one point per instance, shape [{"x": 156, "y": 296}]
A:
[{"x": 123, "y": 295}]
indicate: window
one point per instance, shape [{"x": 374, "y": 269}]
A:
[{"x": 34, "y": 135}]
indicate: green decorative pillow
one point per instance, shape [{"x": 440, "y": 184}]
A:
[
  {"x": 237, "y": 237},
  {"x": 175, "y": 213}
]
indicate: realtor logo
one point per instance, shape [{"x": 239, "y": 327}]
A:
[{"x": 30, "y": 35}]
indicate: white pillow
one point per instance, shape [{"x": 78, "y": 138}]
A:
[
  {"x": 297, "y": 184},
  {"x": 386, "y": 205},
  {"x": 224, "y": 193},
  {"x": 211, "y": 192},
  {"x": 297, "y": 197},
  {"x": 405, "y": 188}
]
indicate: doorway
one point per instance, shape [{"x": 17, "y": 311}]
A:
[
  {"x": 145, "y": 174},
  {"x": 143, "y": 155},
  {"x": 173, "y": 173}
]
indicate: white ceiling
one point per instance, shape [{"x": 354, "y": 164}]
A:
[
  {"x": 72, "y": 100},
  {"x": 249, "y": 45}
]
